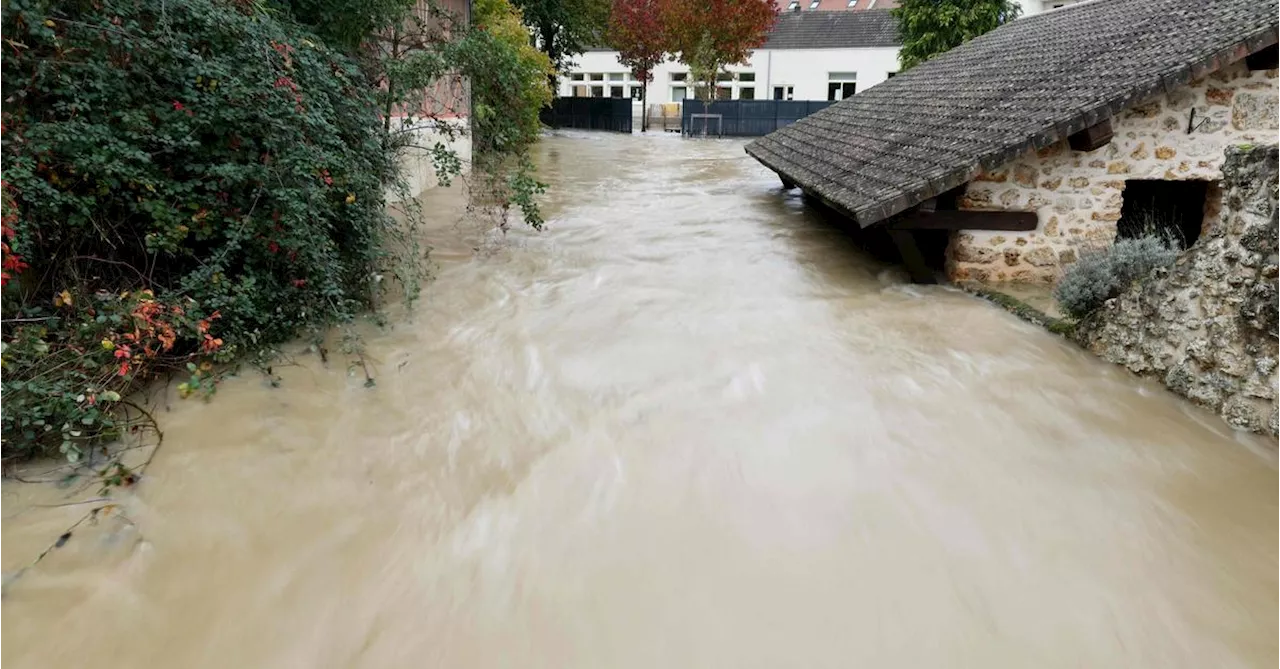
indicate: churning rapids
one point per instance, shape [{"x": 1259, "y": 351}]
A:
[{"x": 689, "y": 425}]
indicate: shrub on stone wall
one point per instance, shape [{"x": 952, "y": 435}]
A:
[{"x": 1103, "y": 274}]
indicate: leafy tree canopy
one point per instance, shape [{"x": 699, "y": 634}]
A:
[
  {"x": 565, "y": 28},
  {"x": 636, "y": 31},
  {"x": 931, "y": 27},
  {"x": 710, "y": 36}
]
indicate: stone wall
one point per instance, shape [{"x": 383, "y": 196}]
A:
[
  {"x": 419, "y": 172},
  {"x": 1078, "y": 195},
  {"x": 1207, "y": 326}
]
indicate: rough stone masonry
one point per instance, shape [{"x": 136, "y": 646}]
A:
[
  {"x": 1078, "y": 196},
  {"x": 1207, "y": 326}
]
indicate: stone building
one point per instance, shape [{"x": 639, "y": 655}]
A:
[{"x": 1047, "y": 136}]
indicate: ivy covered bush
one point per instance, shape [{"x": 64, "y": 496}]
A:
[{"x": 185, "y": 181}]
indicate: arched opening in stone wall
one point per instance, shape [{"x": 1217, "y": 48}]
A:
[{"x": 1171, "y": 209}]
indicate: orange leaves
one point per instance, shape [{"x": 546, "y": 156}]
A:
[
  {"x": 124, "y": 355},
  {"x": 203, "y": 325},
  {"x": 210, "y": 344}
]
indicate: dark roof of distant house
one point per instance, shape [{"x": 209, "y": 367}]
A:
[
  {"x": 1025, "y": 85},
  {"x": 833, "y": 30}
]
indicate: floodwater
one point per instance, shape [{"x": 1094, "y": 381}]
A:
[{"x": 690, "y": 425}]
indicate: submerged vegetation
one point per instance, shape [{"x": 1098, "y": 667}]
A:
[{"x": 192, "y": 182}]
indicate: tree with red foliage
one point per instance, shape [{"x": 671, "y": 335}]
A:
[
  {"x": 714, "y": 34},
  {"x": 636, "y": 31}
]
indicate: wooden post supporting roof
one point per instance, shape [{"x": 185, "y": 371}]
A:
[{"x": 912, "y": 258}]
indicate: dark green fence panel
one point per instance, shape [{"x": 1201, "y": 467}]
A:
[
  {"x": 610, "y": 114},
  {"x": 744, "y": 118}
]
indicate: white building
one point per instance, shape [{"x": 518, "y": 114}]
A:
[
  {"x": 1033, "y": 7},
  {"x": 809, "y": 55}
]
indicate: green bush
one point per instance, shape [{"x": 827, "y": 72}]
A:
[
  {"x": 1101, "y": 275},
  {"x": 185, "y": 180}
]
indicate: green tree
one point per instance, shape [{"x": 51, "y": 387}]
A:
[
  {"x": 407, "y": 47},
  {"x": 931, "y": 27},
  {"x": 521, "y": 89},
  {"x": 510, "y": 83},
  {"x": 565, "y": 28}
]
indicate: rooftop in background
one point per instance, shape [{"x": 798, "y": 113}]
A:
[
  {"x": 833, "y": 30},
  {"x": 832, "y": 5},
  {"x": 1025, "y": 85}
]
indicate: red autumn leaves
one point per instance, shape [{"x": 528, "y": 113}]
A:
[
  {"x": 722, "y": 32},
  {"x": 10, "y": 263},
  {"x": 154, "y": 331}
]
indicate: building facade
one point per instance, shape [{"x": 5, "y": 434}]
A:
[{"x": 809, "y": 55}]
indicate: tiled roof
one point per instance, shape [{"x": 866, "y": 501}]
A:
[
  {"x": 1024, "y": 85},
  {"x": 833, "y": 30}
]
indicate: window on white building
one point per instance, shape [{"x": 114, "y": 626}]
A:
[
  {"x": 724, "y": 93},
  {"x": 580, "y": 91},
  {"x": 679, "y": 93},
  {"x": 636, "y": 91},
  {"x": 679, "y": 76},
  {"x": 597, "y": 91},
  {"x": 746, "y": 76},
  {"x": 578, "y": 76},
  {"x": 747, "y": 93},
  {"x": 597, "y": 76},
  {"x": 616, "y": 76},
  {"x": 784, "y": 92},
  {"x": 841, "y": 85},
  {"x": 617, "y": 92}
]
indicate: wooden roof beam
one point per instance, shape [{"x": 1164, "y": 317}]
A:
[
  {"x": 1093, "y": 137},
  {"x": 968, "y": 219}
]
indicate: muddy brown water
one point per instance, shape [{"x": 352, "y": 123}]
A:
[{"x": 688, "y": 426}]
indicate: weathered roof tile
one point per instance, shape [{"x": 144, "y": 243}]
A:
[{"x": 833, "y": 30}]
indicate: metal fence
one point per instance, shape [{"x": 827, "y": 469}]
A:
[
  {"x": 744, "y": 118},
  {"x": 612, "y": 114}
]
